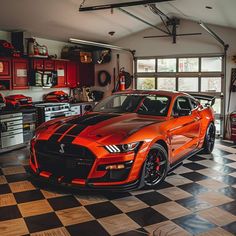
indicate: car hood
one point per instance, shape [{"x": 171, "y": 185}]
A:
[{"x": 106, "y": 127}]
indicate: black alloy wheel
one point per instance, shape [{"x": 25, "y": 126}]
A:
[
  {"x": 156, "y": 165},
  {"x": 209, "y": 141}
]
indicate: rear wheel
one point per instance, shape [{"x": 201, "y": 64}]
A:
[
  {"x": 156, "y": 166},
  {"x": 209, "y": 141}
]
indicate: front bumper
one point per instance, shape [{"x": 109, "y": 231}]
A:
[
  {"x": 118, "y": 180},
  {"x": 87, "y": 185}
]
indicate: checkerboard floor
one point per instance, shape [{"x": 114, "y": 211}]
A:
[{"x": 198, "y": 198}]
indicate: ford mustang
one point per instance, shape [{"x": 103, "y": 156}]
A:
[{"x": 129, "y": 140}]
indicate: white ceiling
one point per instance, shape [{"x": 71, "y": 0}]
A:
[{"x": 60, "y": 19}]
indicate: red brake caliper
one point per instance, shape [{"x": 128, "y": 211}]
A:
[{"x": 158, "y": 161}]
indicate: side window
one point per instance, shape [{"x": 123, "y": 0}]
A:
[
  {"x": 181, "y": 103},
  {"x": 194, "y": 104}
]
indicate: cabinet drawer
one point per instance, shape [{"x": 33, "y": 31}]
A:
[
  {"x": 49, "y": 65},
  {"x": 9, "y": 122},
  {"x": 38, "y": 64},
  {"x": 12, "y": 140},
  {"x": 12, "y": 132},
  {"x": 14, "y": 127}
]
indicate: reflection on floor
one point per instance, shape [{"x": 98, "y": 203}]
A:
[{"x": 199, "y": 198}]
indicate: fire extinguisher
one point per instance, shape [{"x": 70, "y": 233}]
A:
[{"x": 122, "y": 82}]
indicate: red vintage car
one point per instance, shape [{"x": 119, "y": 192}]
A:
[{"x": 128, "y": 140}]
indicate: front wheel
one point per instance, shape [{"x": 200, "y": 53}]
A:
[
  {"x": 156, "y": 165},
  {"x": 209, "y": 141}
]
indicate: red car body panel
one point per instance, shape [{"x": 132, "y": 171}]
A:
[{"x": 180, "y": 136}]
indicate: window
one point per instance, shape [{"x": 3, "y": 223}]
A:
[
  {"x": 211, "y": 64},
  {"x": 217, "y": 106},
  {"x": 194, "y": 103},
  {"x": 188, "y": 64},
  {"x": 211, "y": 84},
  {"x": 188, "y": 84},
  {"x": 147, "y": 65},
  {"x": 166, "y": 83},
  {"x": 146, "y": 83},
  {"x": 181, "y": 103},
  {"x": 201, "y": 74},
  {"x": 155, "y": 105},
  {"x": 119, "y": 103},
  {"x": 166, "y": 65}
]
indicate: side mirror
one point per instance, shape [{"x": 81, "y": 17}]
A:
[
  {"x": 88, "y": 108},
  {"x": 183, "y": 112}
]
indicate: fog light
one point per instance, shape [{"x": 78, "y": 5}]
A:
[{"x": 115, "y": 167}]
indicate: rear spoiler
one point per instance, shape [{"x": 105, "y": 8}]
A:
[{"x": 210, "y": 99}]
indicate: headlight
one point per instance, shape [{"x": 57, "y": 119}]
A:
[{"x": 123, "y": 147}]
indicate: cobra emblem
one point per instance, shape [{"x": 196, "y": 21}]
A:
[{"x": 62, "y": 148}]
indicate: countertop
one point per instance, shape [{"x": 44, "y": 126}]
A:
[{"x": 33, "y": 109}]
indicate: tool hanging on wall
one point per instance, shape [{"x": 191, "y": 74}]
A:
[{"x": 104, "y": 78}]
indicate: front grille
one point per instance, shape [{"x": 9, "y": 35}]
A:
[{"x": 75, "y": 162}]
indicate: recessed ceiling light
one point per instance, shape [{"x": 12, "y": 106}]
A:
[{"x": 209, "y": 7}]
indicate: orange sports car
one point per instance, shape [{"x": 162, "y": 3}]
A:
[{"x": 128, "y": 140}]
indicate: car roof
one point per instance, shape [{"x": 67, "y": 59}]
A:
[{"x": 154, "y": 92}]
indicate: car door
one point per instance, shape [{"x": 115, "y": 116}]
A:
[{"x": 184, "y": 131}]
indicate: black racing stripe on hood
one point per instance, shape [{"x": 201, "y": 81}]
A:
[
  {"x": 67, "y": 139},
  {"x": 77, "y": 130},
  {"x": 81, "y": 119},
  {"x": 92, "y": 120},
  {"x": 54, "y": 138},
  {"x": 62, "y": 129}
]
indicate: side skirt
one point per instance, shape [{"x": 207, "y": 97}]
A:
[{"x": 176, "y": 164}]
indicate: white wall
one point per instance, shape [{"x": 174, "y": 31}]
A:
[
  {"x": 202, "y": 44},
  {"x": 125, "y": 59},
  {"x": 5, "y": 35}
]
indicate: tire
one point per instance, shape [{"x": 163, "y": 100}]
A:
[
  {"x": 209, "y": 141},
  {"x": 156, "y": 166}
]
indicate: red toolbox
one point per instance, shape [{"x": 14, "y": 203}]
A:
[{"x": 233, "y": 126}]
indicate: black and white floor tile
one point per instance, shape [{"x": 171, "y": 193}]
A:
[{"x": 198, "y": 198}]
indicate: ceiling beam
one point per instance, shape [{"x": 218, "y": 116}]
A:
[
  {"x": 213, "y": 34},
  {"x": 117, "y": 5},
  {"x": 142, "y": 20}
]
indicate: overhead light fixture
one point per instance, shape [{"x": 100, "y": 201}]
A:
[{"x": 100, "y": 45}]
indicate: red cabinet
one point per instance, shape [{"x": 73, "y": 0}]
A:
[
  {"x": 86, "y": 74},
  {"x": 43, "y": 64},
  {"x": 38, "y": 64},
  {"x": 5, "y": 68},
  {"x": 71, "y": 74},
  {"x": 49, "y": 64},
  {"x": 20, "y": 73},
  {"x": 61, "y": 68}
]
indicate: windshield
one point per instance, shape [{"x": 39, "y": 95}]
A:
[{"x": 155, "y": 105}]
